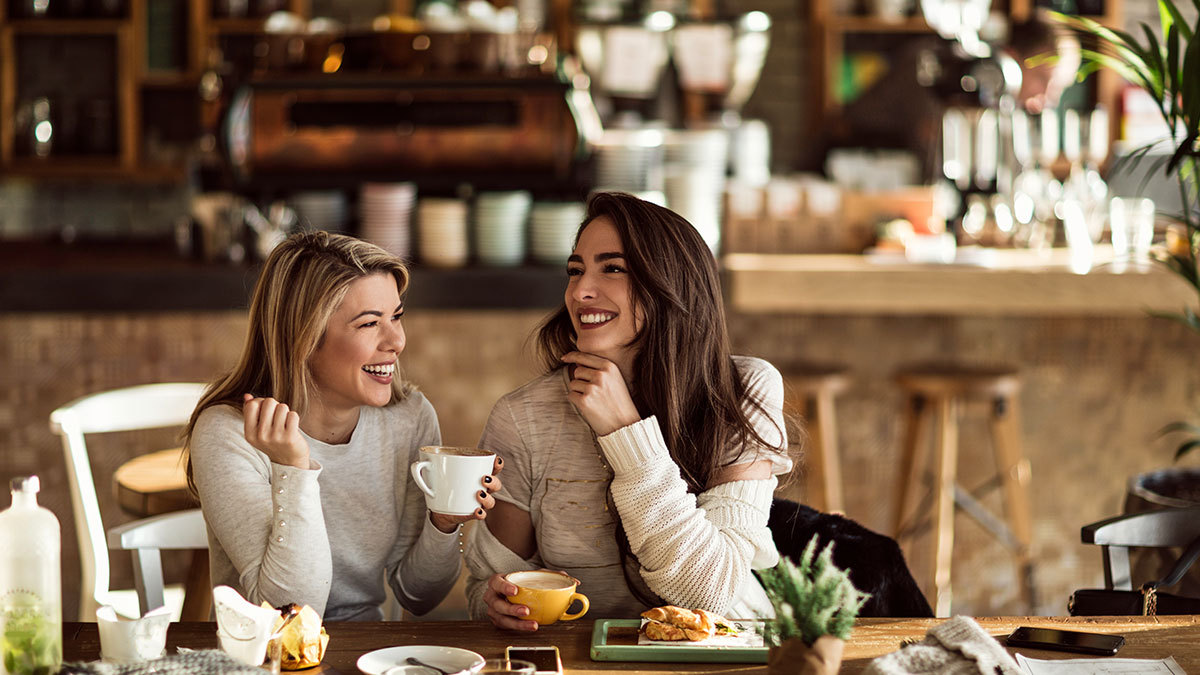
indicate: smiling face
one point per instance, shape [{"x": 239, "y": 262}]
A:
[
  {"x": 356, "y": 360},
  {"x": 599, "y": 296}
]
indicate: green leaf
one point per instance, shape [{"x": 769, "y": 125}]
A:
[
  {"x": 1122, "y": 68},
  {"x": 1173, "y": 72},
  {"x": 1191, "y": 90},
  {"x": 1156, "y": 64},
  {"x": 1176, "y": 17},
  {"x": 1182, "y": 151}
]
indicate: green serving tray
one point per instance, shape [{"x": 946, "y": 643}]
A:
[{"x": 603, "y": 651}]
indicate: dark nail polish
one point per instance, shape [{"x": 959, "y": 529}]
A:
[
  {"x": 483, "y": 493},
  {"x": 499, "y": 460},
  {"x": 479, "y": 511},
  {"x": 487, "y": 480}
]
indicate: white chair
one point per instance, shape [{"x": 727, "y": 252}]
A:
[
  {"x": 148, "y": 406},
  {"x": 146, "y": 538}
]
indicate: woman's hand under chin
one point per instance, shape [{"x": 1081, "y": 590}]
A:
[
  {"x": 598, "y": 390},
  {"x": 447, "y": 523}
]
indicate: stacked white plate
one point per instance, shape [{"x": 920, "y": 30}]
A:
[
  {"x": 442, "y": 235},
  {"x": 321, "y": 210},
  {"x": 750, "y": 154},
  {"x": 695, "y": 193},
  {"x": 385, "y": 215},
  {"x": 629, "y": 160},
  {"x": 552, "y": 228},
  {"x": 697, "y": 147},
  {"x": 694, "y": 178},
  {"x": 500, "y": 227}
]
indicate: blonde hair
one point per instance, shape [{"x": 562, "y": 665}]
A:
[{"x": 302, "y": 283}]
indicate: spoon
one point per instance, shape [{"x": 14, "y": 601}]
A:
[
  {"x": 292, "y": 612},
  {"x": 414, "y": 661}
]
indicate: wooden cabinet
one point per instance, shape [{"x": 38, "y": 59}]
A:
[{"x": 111, "y": 88}]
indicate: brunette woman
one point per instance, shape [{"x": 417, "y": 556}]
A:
[{"x": 643, "y": 462}]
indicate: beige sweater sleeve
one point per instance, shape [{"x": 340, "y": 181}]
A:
[{"x": 695, "y": 551}]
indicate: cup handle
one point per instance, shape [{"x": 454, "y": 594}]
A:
[
  {"x": 581, "y": 598},
  {"x": 419, "y": 477}
]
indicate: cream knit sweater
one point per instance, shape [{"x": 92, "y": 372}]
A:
[{"x": 695, "y": 550}]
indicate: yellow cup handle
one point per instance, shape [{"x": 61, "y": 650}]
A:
[{"x": 580, "y": 597}]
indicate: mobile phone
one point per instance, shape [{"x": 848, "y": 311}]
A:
[
  {"x": 1099, "y": 644},
  {"x": 545, "y": 659}
]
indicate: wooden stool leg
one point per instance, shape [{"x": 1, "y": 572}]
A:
[
  {"x": 1014, "y": 473},
  {"x": 816, "y": 494},
  {"x": 946, "y": 472},
  {"x": 829, "y": 449},
  {"x": 914, "y": 414}
]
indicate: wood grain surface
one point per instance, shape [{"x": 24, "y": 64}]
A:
[{"x": 1145, "y": 638}]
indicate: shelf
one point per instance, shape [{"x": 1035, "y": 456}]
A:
[
  {"x": 233, "y": 26},
  {"x": 66, "y": 26},
  {"x": 90, "y": 168},
  {"x": 149, "y": 276},
  {"x": 167, "y": 79},
  {"x": 870, "y": 24}
]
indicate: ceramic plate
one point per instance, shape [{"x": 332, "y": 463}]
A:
[{"x": 446, "y": 658}]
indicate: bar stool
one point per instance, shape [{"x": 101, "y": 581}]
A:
[
  {"x": 810, "y": 390},
  {"x": 935, "y": 394}
]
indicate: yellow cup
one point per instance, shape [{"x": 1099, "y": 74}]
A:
[{"x": 548, "y": 595}]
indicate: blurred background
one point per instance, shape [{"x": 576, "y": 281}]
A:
[{"x": 885, "y": 182}]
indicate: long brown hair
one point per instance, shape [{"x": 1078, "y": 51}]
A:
[
  {"x": 683, "y": 370},
  {"x": 301, "y": 285}
]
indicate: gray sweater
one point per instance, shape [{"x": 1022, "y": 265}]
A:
[{"x": 327, "y": 536}]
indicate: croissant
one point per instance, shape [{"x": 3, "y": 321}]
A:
[{"x": 671, "y": 623}]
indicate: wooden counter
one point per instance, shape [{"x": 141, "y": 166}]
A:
[{"x": 1015, "y": 282}]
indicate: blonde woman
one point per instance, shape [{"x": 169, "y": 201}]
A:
[{"x": 300, "y": 454}]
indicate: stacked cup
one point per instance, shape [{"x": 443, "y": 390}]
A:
[
  {"x": 442, "y": 236},
  {"x": 694, "y": 179},
  {"x": 552, "y": 228},
  {"x": 500, "y": 227},
  {"x": 321, "y": 209},
  {"x": 386, "y": 215}
]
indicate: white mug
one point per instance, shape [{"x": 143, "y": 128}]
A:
[{"x": 452, "y": 477}]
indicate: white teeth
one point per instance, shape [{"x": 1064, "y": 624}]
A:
[
  {"x": 382, "y": 371},
  {"x": 596, "y": 318}
]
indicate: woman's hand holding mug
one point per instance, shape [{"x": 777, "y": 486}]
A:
[
  {"x": 456, "y": 483},
  {"x": 532, "y": 598}
]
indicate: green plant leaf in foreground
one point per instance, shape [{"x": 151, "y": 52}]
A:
[{"x": 811, "y": 599}]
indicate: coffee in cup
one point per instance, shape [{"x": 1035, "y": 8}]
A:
[
  {"x": 548, "y": 595},
  {"x": 451, "y": 477}
]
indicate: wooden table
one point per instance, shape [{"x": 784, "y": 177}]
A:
[
  {"x": 1145, "y": 638},
  {"x": 156, "y": 483}
]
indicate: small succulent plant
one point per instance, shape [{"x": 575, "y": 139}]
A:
[{"x": 811, "y": 599}]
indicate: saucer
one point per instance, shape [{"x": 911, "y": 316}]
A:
[{"x": 446, "y": 658}]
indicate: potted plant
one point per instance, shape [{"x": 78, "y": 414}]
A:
[
  {"x": 815, "y": 606},
  {"x": 1169, "y": 70}
]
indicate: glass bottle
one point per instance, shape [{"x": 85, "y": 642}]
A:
[{"x": 30, "y": 585}]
